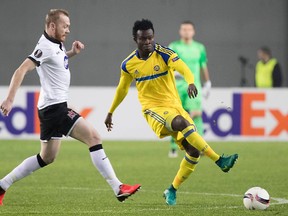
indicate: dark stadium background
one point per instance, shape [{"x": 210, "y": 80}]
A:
[{"x": 228, "y": 28}]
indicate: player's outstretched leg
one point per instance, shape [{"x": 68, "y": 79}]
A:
[
  {"x": 87, "y": 134},
  {"x": 102, "y": 163},
  {"x": 224, "y": 162},
  {"x": 47, "y": 155},
  {"x": 27, "y": 167},
  {"x": 173, "y": 149},
  {"x": 187, "y": 166},
  {"x": 179, "y": 123}
]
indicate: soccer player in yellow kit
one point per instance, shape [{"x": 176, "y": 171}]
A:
[{"x": 152, "y": 67}]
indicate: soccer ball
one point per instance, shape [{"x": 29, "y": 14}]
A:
[{"x": 256, "y": 198}]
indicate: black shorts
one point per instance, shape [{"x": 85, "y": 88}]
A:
[{"x": 56, "y": 120}]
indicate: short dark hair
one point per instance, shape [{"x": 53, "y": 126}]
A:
[
  {"x": 143, "y": 24},
  {"x": 266, "y": 50},
  {"x": 188, "y": 22}
]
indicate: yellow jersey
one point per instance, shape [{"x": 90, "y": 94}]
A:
[{"x": 154, "y": 78}]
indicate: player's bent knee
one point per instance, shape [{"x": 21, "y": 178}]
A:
[{"x": 179, "y": 123}]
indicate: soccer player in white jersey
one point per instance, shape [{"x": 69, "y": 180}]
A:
[{"x": 51, "y": 61}]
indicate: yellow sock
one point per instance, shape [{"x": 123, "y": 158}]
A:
[
  {"x": 198, "y": 142},
  {"x": 187, "y": 166}
]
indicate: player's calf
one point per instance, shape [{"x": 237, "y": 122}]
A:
[{"x": 192, "y": 151}]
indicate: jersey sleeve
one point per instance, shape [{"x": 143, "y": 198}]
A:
[
  {"x": 178, "y": 65},
  {"x": 203, "y": 57},
  {"x": 40, "y": 54},
  {"x": 122, "y": 89}
]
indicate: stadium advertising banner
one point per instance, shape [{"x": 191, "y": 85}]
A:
[{"x": 230, "y": 114}]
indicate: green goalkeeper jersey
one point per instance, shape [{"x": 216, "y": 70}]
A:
[{"x": 194, "y": 55}]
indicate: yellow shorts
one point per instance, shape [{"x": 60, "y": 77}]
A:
[{"x": 160, "y": 119}]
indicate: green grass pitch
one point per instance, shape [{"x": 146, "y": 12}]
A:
[{"x": 72, "y": 186}]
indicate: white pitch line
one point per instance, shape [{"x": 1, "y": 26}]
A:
[{"x": 280, "y": 201}]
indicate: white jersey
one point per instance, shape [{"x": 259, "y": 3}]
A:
[{"x": 52, "y": 67}]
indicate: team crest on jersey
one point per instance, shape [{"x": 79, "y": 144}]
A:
[
  {"x": 38, "y": 53},
  {"x": 66, "y": 65},
  {"x": 166, "y": 112},
  {"x": 156, "y": 67},
  {"x": 136, "y": 72}
]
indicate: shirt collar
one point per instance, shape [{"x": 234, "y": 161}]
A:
[{"x": 53, "y": 40}]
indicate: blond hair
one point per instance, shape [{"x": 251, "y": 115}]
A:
[{"x": 53, "y": 16}]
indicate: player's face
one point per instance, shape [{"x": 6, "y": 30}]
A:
[
  {"x": 62, "y": 28},
  {"x": 186, "y": 32},
  {"x": 145, "y": 40}
]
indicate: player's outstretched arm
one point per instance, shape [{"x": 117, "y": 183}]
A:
[
  {"x": 121, "y": 92},
  {"x": 177, "y": 64},
  {"x": 77, "y": 46},
  {"x": 15, "y": 83},
  {"x": 184, "y": 70}
]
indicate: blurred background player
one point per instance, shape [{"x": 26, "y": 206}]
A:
[
  {"x": 267, "y": 72},
  {"x": 194, "y": 55},
  {"x": 152, "y": 66},
  {"x": 50, "y": 59}
]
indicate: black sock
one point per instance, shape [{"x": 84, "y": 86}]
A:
[{"x": 40, "y": 161}]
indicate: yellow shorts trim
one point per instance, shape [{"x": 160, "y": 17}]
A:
[{"x": 160, "y": 118}]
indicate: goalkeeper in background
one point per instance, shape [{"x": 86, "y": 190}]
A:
[{"x": 194, "y": 55}]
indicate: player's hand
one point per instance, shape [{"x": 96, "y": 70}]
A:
[
  {"x": 77, "y": 46},
  {"x": 108, "y": 122},
  {"x": 192, "y": 91},
  {"x": 206, "y": 89},
  {"x": 6, "y": 107}
]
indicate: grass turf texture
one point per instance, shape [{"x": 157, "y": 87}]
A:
[{"x": 72, "y": 186}]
